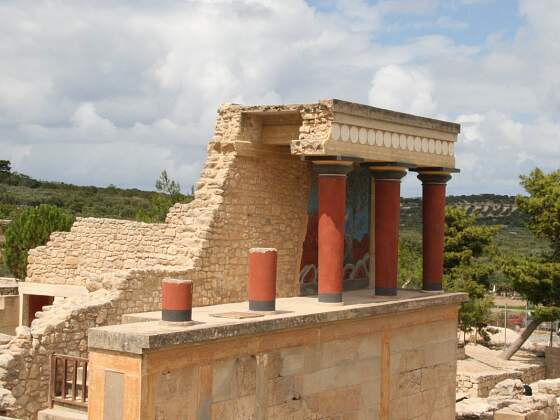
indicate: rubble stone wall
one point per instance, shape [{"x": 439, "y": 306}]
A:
[
  {"x": 241, "y": 201},
  {"x": 62, "y": 329}
]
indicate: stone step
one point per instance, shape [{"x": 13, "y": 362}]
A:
[{"x": 61, "y": 413}]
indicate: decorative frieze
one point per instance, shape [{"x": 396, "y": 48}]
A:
[{"x": 381, "y": 138}]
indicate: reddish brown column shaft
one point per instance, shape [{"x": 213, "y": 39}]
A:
[
  {"x": 332, "y": 204},
  {"x": 262, "y": 279},
  {"x": 176, "y": 300},
  {"x": 387, "y": 220},
  {"x": 433, "y": 231}
]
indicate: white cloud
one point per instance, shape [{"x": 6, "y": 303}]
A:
[
  {"x": 114, "y": 92},
  {"x": 405, "y": 89}
]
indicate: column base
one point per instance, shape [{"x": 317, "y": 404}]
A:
[
  {"x": 176, "y": 315},
  {"x": 330, "y": 297},
  {"x": 262, "y": 305},
  {"x": 385, "y": 291},
  {"x": 432, "y": 287}
]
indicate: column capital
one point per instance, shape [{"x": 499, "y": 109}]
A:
[
  {"x": 388, "y": 171},
  {"x": 332, "y": 167},
  {"x": 435, "y": 175}
]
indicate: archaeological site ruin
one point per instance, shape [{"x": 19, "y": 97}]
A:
[{"x": 317, "y": 184}]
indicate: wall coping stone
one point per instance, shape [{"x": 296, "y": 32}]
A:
[{"x": 294, "y": 312}]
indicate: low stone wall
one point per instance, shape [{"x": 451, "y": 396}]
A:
[
  {"x": 552, "y": 360},
  {"x": 392, "y": 361},
  {"x": 62, "y": 328}
]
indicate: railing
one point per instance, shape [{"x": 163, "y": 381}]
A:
[{"x": 68, "y": 382}]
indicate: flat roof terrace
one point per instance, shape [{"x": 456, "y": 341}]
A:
[{"x": 145, "y": 331}]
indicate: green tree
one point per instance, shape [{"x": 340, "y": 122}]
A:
[
  {"x": 30, "y": 229},
  {"x": 537, "y": 279},
  {"x": 468, "y": 266},
  {"x": 168, "y": 193},
  {"x": 410, "y": 264},
  {"x": 166, "y": 185},
  {"x": 542, "y": 206}
]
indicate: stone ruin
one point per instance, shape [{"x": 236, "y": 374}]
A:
[
  {"x": 509, "y": 400},
  {"x": 254, "y": 191}
]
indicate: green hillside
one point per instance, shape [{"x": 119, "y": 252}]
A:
[
  {"x": 18, "y": 191},
  {"x": 491, "y": 209}
]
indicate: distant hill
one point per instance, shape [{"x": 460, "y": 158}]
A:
[
  {"x": 18, "y": 191},
  {"x": 490, "y": 209}
]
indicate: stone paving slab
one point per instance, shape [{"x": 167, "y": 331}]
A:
[{"x": 292, "y": 313}]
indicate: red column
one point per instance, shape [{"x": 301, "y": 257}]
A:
[
  {"x": 262, "y": 279},
  {"x": 176, "y": 300},
  {"x": 387, "y": 222},
  {"x": 332, "y": 206},
  {"x": 433, "y": 228}
]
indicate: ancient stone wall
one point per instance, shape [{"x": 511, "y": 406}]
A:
[
  {"x": 62, "y": 329},
  {"x": 552, "y": 360},
  {"x": 95, "y": 246},
  {"x": 400, "y": 366},
  {"x": 242, "y": 200}
]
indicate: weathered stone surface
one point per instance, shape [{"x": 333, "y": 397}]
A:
[
  {"x": 253, "y": 192},
  {"x": 293, "y": 312},
  {"x": 549, "y": 386},
  {"x": 512, "y": 388}
]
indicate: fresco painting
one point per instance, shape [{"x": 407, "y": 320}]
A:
[{"x": 356, "y": 247}]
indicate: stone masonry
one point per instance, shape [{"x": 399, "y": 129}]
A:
[
  {"x": 253, "y": 192},
  {"x": 62, "y": 328}
]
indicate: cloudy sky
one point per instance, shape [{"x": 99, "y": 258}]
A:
[{"x": 106, "y": 92}]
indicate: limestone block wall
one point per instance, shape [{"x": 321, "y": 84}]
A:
[
  {"x": 94, "y": 246},
  {"x": 62, "y": 328},
  {"x": 397, "y": 367}
]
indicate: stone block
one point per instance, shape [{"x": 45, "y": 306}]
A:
[
  {"x": 549, "y": 386},
  {"x": 234, "y": 378},
  {"x": 511, "y": 388}
]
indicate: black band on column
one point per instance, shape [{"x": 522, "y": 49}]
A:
[
  {"x": 174, "y": 315},
  {"x": 330, "y": 297},
  {"x": 432, "y": 287},
  {"x": 386, "y": 291}
]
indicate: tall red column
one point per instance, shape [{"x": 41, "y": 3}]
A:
[
  {"x": 332, "y": 206},
  {"x": 433, "y": 228},
  {"x": 387, "y": 221}
]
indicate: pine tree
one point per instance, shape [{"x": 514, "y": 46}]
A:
[{"x": 30, "y": 229}]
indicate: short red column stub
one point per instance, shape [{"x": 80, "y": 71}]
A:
[
  {"x": 262, "y": 279},
  {"x": 332, "y": 207},
  {"x": 176, "y": 300}
]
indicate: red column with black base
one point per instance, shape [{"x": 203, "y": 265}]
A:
[
  {"x": 262, "y": 279},
  {"x": 433, "y": 228},
  {"x": 387, "y": 222},
  {"x": 332, "y": 206},
  {"x": 176, "y": 300}
]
